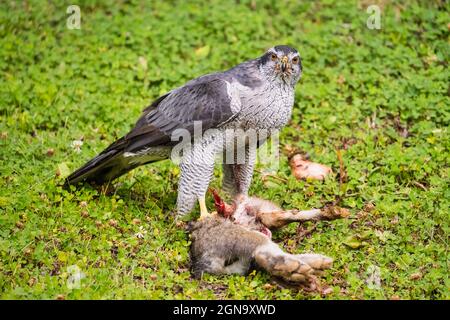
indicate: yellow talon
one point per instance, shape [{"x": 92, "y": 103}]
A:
[{"x": 203, "y": 210}]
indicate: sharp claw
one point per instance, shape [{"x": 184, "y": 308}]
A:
[{"x": 204, "y": 214}]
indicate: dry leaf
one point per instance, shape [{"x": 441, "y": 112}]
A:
[
  {"x": 416, "y": 276},
  {"x": 50, "y": 152}
]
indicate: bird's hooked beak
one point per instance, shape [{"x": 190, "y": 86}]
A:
[{"x": 284, "y": 64}]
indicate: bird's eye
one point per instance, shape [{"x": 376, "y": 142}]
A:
[
  {"x": 295, "y": 60},
  {"x": 274, "y": 57}
]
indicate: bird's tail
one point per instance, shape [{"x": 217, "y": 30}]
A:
[{"x": 103, "y": 168}]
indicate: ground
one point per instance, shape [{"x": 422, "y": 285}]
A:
[{"x": 373, "y": 104}]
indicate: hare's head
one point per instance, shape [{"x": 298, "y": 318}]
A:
[{"x": 243, "y": 210}]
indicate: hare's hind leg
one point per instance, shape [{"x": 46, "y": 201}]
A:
[
  {"x": 295, "y": 268},
  {"x": 279, "y": 218},
  {"x": 218, "y": 265},
  {"x": 241, "y": 266},
  {"x": 208, "y": 264}
]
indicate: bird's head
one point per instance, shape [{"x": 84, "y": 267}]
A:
[{"x": 282, "y": 63}]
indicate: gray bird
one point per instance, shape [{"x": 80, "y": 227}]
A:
[{"x": 253, "y": 96}]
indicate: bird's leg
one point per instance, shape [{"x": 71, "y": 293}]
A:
[
  {"x": 203, "y": 210},
  {"x": 243, "y": 172},
  {"x": 192, "y": 187},
  {"x": 229, "y": 180},
  {"x": 185, "y": 202},
  {"x": 196, "y": 172}
]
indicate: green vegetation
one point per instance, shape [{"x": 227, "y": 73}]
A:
[{"x": 381, "y": 97}]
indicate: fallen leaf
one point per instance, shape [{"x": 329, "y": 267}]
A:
[
  {"x": 50, "y": 152},
  {"x": 20, "y": 225},
  {"x": 415, "y": 276},
  {"x": 32, "y": 281},
  {"x": 353, "y": 242},
  {"x": 63, "y": 170},
  {"x": 267, "y": 286},
  {"x": 202, "y": 52},
  {"x": 368, "y": 207}
]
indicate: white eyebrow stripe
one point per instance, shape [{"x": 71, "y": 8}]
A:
[{"x": 272, "y": 50}]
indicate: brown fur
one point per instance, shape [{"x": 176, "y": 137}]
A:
[
  {"x": 218, "y": 242},
  {"x": 225, "y": 246}
]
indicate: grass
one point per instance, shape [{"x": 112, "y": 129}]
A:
[{"x": 380, "y": 98}]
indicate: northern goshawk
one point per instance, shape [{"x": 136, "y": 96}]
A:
[{"x": 253, "y": 96}]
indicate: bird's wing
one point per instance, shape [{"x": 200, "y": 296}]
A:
[{"x": 206, "y": 99}]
